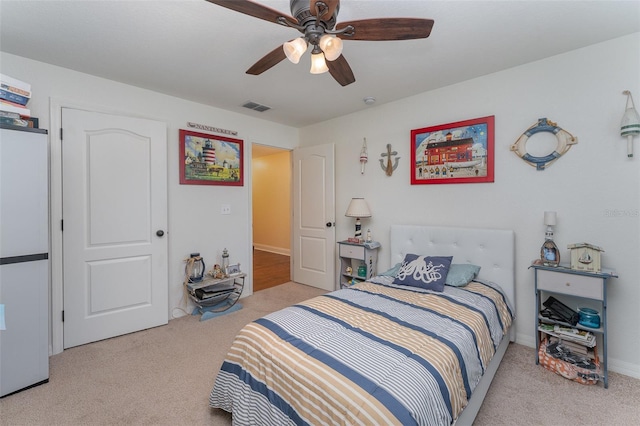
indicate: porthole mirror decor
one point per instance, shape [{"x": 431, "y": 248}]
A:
[{"x": 565, "y": 141}]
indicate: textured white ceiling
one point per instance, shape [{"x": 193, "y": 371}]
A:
[{"x": 199, "y": 51}]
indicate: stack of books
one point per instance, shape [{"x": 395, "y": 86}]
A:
[
  {"x": 576, "y": 348},
  {"x": 14, "y": 96}
]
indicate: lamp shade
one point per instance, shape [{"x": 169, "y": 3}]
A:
[
  {"x": 358, "y": 207},
  {"x": 294, "y": 49},
  {"x": 550, "y": 218},
  {"x": 331, "y": 46},
  {"x": 318, "y": 65}
]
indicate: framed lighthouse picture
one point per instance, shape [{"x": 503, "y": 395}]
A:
[
  {"x": 210, "y": 159},
  {"x": 460, "y": 152}
]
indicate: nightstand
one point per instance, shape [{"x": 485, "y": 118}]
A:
[
  {"x": 562, "y": 280},
  {"x": 355, "y": 256},
  {"x": 213, "y": 296}
]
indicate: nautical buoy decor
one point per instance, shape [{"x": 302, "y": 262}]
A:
[{"x": 565, "y": 141}]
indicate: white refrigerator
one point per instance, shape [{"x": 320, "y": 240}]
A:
[{"x": 24, "y": 258}]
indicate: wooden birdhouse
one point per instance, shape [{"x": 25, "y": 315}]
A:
[{"x": 585, "y": 257}]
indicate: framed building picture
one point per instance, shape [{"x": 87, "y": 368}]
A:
[
  {"x": 210, "y": 159},
  {"x": 460, "y": 152}
]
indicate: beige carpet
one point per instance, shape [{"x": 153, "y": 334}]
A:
[{"x": 163, "y": 376}]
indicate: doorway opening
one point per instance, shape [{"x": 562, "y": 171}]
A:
[{"x": 271, "y": 215}]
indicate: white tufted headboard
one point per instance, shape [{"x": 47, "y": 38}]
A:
[{"x": 491, "y": 249}]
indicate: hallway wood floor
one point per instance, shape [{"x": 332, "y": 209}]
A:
[{"x": 269, "y": 269}]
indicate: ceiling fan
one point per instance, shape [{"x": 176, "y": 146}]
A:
[{"x": 316, "y": 20}]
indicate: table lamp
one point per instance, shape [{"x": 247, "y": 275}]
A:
[{"x": 358, "y": 208}]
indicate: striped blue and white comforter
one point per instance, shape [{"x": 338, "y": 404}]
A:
[{"x": 374, "y": 353}]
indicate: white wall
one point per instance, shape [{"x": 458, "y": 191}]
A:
[
  {"x": 594, "y": 187},
  {"x": 195, "y": 223}
]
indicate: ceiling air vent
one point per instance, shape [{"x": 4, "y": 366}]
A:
[{"x": 256, "y": 106}]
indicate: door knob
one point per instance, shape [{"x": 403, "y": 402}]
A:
[
  {"x": 159, "y": 232},
  {"x": 329, "y": 224}
]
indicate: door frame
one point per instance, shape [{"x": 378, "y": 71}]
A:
[
  {"x": 290, "y": 218},
  {"x": 56, "y": 296}
]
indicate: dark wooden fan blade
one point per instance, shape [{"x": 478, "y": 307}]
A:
[
  {"x": 380, "y": 29},
  {"x": 341, "y": 71},
  {"x": 269, "y": 60},
  {"x": 254, "y": 9}
]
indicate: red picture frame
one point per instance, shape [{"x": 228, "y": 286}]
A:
[
  {"x": 459, "y": 152},
  {"x": 210, "y": 159}
]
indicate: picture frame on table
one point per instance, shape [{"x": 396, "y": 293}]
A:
[
  {"x": 459, "y": 152},
  {"x": 233, "y": 269},
  {"x": 207, "y": 159}
]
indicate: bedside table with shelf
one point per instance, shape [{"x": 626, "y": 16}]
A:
[
  {"x": 355, "y": 255},
  {"x": 562, "y": 280},
  {"x": 215, "y": 295}
]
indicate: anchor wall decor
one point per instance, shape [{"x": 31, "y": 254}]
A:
[{"x": 389, "y": 167}]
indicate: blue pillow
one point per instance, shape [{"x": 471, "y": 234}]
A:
[
  {"x": 391, "y": 272},
  {"x": 461, "y": 274},
  {"x": 428, "y": 272}
]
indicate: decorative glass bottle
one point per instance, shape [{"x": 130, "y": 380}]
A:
[{"x": 195, "y": 268}]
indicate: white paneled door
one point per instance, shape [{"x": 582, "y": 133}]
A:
[
  {"x": 114, "y": 182},
  {"x": 313, "y": 233}
]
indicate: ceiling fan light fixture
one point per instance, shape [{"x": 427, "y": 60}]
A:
[
  {"x": 294, "y": 49},
  {"x": 318, "y": 64},
  {"x": 331, "y": 46},
  {"x": 317, "y": 18}
]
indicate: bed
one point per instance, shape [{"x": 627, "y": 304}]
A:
[{"x": 378, "y": 352}]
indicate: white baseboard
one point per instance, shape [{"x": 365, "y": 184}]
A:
[
  {"x": 626, "y": 368},
  {"x": 526, "y": 340},
  {"x": 272, "y": 249}
]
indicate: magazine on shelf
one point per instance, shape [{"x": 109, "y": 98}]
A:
[
  {"x": 570, "y": 334},
  {"x": 213, "y": 291}
]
